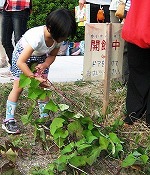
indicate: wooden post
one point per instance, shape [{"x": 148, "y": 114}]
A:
[{"x": 107, "y": 68}]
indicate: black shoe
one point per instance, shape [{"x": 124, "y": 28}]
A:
[
  {"x": 10, "y": 127},
  {"x": 47, "y": 124}
]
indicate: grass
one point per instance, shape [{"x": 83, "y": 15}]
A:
[{"x": 84, "y": 97}]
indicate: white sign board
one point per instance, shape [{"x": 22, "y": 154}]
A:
[{"x": 96, "y": 45}]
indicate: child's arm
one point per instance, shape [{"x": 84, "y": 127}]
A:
[
  {"x": 21, "y": 62},
  {"x": 49, "y": 60}
]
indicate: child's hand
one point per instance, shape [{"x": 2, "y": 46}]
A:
[
  {"x": 39, "y": 76},
  {"x": 40, "y": 79},
  {"x": 41, "y": 67},
  {"x": 43, "y": 81}
]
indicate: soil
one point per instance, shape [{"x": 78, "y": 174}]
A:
[{"x": 88, "y": 98}]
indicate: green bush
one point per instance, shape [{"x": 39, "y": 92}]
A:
[{"x": 41, "y": 8}]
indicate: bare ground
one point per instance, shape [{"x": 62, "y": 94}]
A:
[{"x": 87, "y": 97}]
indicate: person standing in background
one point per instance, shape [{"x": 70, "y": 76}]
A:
[
  {"x": 3, "y": 57},
  {"x": 15, "y": 15},
  {"x": 136, "y": 32},
  {"x": 95, "y": 5},
  {"x": 113, "y": 7}
]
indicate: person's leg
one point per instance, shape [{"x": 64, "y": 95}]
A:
[
  {"x": 138, "y": 84},
  {"x": 9, "y": 124},
  {"x": 113, "y": 18},
  {"x": 148, "y": 110},
  {"x": 125, "y": 67},
  {"x": 6, "y": 34},
  {"x": 93, "y": 12},
  {"x": 106, "y": 13},
  {"x": 20, "y": 19},
  {"x": 42, "y": 105},
  {"x": 3, "y": 58}
]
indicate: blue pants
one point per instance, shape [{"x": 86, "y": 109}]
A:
[{"x": 13, "y": 21}]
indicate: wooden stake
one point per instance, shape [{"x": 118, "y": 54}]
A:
[{"x": 107, "y": 68}]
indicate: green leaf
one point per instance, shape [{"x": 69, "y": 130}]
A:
[
  {"x": 104, "y": 142},
  {"x": 51, "y": 106},
  {"x": 40, "y": 120},
  {"x": 80, "y": 142},
  {"x": 31, "y": 107},
  {"x": 68, "y": 114},
  {"x": 25, "y": 119},
  {"x": 144, "y": 158},
  {"x": 78, "y": 161},
  {"x": 96, "y": 132},
  {"x": 36, "y": 132},
  {"x": 62, "y": 159},
  {"x": 90, "y": 139},
  {"x": 136, "y": 154},
  {"x": 42, "y": 134},
  {"x": 2, "y": 148},
  {"x": 63, "y": 107},
  {"x": 78, "y": 115},
  {"x": 128, "y": 161},
  {"x": 32, "y": 67},
  {"x": 94, "y": 154},
  {"x": 61, "y": 167},
  {"x": 90, "y": 126},
  {"x": 113, "y": 147},
  {"x": 68, "y": 148},
  {"x": 89, "y": 136},
  {"x": 24, "y": 81},
  {"x": 59, "y": 142},
  {"x": 114, "y": 138},
  {"x": 86, "y": 120},
  {"x": 43, "y": 94},
  {"x": 11, "y": 155},
  {"x": 51, "y": 167},
  {"x": 34, "y": 83},
  {"x": 34, "y": 93},
  {"x": 60, "y": 133},
  {"x": 75, "y": 127},
  {"x": 119, "y": 148},
  {"x": 83, "y": 146},
  {"x": 117, "y": 123},
  {"x": 56, "y": 123}
]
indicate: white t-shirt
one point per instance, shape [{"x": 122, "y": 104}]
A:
[
  {"x": 35, "y": 38},
  {"x": 101, "y": 2},
  {"x": 114, "y": 4}
]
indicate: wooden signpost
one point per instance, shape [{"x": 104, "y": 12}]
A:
[{"x": 103, "y": 55}]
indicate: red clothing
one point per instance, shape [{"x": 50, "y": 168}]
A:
[
  {"x": 17, "y": 5},
  {"x": 136, "y": 28}
]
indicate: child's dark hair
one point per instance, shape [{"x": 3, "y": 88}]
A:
[{"x": 61, "y": 23}]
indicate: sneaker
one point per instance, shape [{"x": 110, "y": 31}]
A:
[
  {"x": 47, "y": 124},
  {"x": 10, "y": 127}
]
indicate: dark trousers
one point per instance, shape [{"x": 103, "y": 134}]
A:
[
  {"x": 13, "y": 21},
  {"x": 138, "y": 88},
  {"x": 93, "y": 12},
  {"x": 125, "y": 68}
]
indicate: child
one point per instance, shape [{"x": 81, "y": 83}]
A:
[{"x": 40, "y": 44}]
